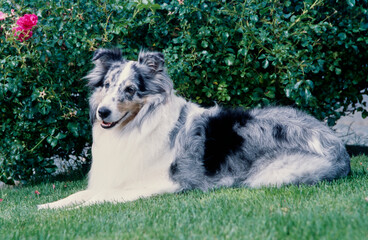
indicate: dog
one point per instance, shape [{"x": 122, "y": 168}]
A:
[{"x": 149, "y": 141}]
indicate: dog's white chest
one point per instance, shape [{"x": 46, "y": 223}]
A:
[{"x": 128, "y": 159}]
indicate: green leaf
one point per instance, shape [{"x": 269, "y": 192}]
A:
[
  {"x": 307, "y": 95},
  {"x": 342, "y": 36},
  {"x": 364, "y": 114},
  {"x": 338, "y": 71},
  {"x": 309, "y": 83},
  {"x": 230, "y": 60},
  {"x": 254, "y": 18},
  {"x": 242, "y": 51},
  {"x": 351, "y": 3},
  {"x": 297, "y": 85},
  {"x": 73, "y": 128},
  {"x": 204, "y": 44},
  {"x": 60, "y": 136},
  {"x": 49, "y": 170},
  {"x": 270, "y": 94},
  {"x": 52, "y": 141},
  {"x": 225, "y": 36}
]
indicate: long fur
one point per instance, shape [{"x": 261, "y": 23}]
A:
[{"x": 148, "y": 141}]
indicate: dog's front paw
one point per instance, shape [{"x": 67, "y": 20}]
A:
[
  {"x": 52, "y": 205},
  {"x": 43, "y": 206}
]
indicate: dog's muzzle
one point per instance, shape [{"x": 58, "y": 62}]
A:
[{"x": 104, "y": 113}]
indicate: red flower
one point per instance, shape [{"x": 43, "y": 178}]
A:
[
  {"x": 22, "y": 34},
  {"x": 1, "y": 199},
  {"x": 27, "y": 21}
]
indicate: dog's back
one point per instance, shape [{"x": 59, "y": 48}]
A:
[{"x": 261, "y": 147}]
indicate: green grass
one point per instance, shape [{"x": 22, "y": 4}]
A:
[{"x": 335, "y": 210}]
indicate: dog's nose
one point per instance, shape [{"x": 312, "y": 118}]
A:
[{"x": 104, "y": 112}]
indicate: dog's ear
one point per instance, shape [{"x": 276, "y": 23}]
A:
[
  {"x": 106, "y": 57},
  {"x": 103, "y": 60},
  {"x": 154, "y": 60}
]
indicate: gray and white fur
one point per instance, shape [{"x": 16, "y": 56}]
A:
[{"x": 149, "y": 141}]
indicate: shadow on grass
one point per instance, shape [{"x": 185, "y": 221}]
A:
[{"x": 355, "y": 150}]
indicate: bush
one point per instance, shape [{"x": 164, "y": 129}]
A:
[{"x": 310, "y": 54}]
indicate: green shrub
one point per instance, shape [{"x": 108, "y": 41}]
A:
[{"x": 310, "y": 54}]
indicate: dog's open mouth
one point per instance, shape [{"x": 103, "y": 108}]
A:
[{"x": 107, "y": 125}]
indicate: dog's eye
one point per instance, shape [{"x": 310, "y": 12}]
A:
[
  {"x": 130, "y": 90},
  {"x": 107, "y": 85}
]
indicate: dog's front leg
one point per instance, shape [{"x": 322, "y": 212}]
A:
[
  {"x": 131, "y": 194},
  {"x": 72, "y": 200}
]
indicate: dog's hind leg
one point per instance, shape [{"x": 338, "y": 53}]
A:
[
  {"x": 286, "y": 169},
  {"x": 72, "y": 200}
]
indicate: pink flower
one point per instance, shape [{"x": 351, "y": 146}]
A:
[
  {"x": 27, "y": 21},
  {"x": 22, "y": 34},
  {"x": 3, "y": 16},
  {"x": 1, "y": 199},
  {"x": 37, "y": 193}
]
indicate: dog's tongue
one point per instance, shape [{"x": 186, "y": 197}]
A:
[{"x": 106, "y": 124}]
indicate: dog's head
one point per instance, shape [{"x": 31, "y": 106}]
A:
[{"x": 123, "y": 90}]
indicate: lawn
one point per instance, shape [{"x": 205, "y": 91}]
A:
[{"x": 329, "y": 210}]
